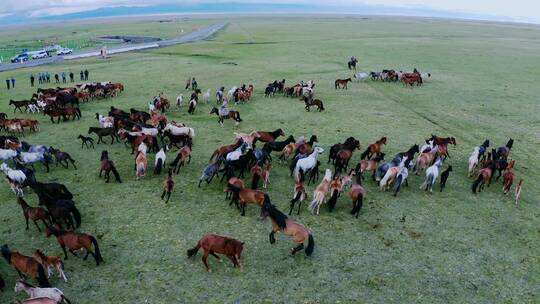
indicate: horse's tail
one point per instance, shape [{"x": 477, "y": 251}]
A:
[
  {"x": 193, "y": 251},
  {"x": 77, "y": 215},
  {"x": 358, "y": 204},
  {"x": 333, "y": 200},
  {"x": 430, "y": 179},
  {"x": 322, "y": 106},
  {"x": 336, "y": 84},
  {"x": 65, "y": 300},
  {"x": 310, "y": 246},
  {"x": 42, "y": 277},
  {"x": 97, "y": 253},
  {"x": 365, "y": 153},
  {"x": 255, "y": 181},
  {"x": 476, "y": 183},
  {"x": 116, "y": 174},
  {"x": 267, "y": 199},
  {"x": 238, "y": 117},
  {"x": 159, "y": 165}
]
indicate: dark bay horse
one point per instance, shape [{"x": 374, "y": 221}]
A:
[
  {"x": 310, "y": 102},
  {"x": 75, "y": 241},
  {"x": 342, "y": 83},
  {"x": 107, "y": 165},
  {"x": 26, "y": 264}
]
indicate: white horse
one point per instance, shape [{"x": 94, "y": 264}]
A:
[
  {"x": 206, "y": 96},
  {"x": 33, "y": 108},
  {"x": 7, "y": 154},
  {"x": 161, "y": 156},
  {"x": 15, "y": 178},
  {"x": 149, "y": 131},
  {"x": 361, "y": 76},
  {"x": 235, "y": 155},
  {"x": 431, "y": 175},
  {"x": 179, "y": 100},
  {"x": 180, "y": 130},
  {"x": 231, "y": 91},
  {"x": 35, "y": 292},
  {"x": 473, "y": 160},
  {"x": 308, "y": 163}
]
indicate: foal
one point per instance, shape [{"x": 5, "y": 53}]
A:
[
  {"x": 300, "y": 193},
  {"x": 508, "y": 177},
  {"x": 320, "y": 192},
  {"x": 180, "y": 160},
  {"x": 50, "y": 262},
  {"x": 86, "y": 141},
  {"x": 34, "y": 213}
]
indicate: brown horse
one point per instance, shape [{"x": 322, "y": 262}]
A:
[
  {"x": 244, "y": 96},
  {"x": 266, "y": 136},
  {"x": 235, "y": 181},
  {"x": 183, "y": 154},
  {"x": 357, "y": 194},
  {"x": 75, "y": 241},
  {"x": 374, "y": 149},
  {"x": 425, "y": 160},
  {"x": 162, "y": 104},
  {"x": 34, "y": 213},
  {"x": 484, "y": 176},
  {"x": 226, "y": 149},
  {"x": 235, "y": 115},
  {"x": 369, "y": 165},
  {"x": 300, "y": 193},
  {"x": 50, "y": 263},
  {"x": 342, "y": 83},
  {"x": 107, "y": 166},
  {"x": 25, "y": 264},
  {"x": 411, "y": 79},
  {"x": 310, "y": 102},
  {"x": 245, "y": 196},
  {"x": 168, "y": 186},
  {"x": 213, "y": 243},
  {"x": 297, "y": 231},
  {"x": 256, "y": 176},
  {"x": 442, "y": 140},
  {"x": 306, "y": 148},
  {"x": 508, "y": 177},
  {"x": 344, "y": 156}
]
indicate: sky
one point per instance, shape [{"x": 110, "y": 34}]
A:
[{"x": 516, "y": 10}]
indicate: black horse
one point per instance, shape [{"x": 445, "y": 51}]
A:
[
  {"x": 101, "y": 132},
  {"x": 62, "y": 158},
  {"x": 278, "y": 145},
  {"x": 58, "y": 200}
]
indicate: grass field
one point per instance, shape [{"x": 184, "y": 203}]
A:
[{"x": 453, "y": 247}]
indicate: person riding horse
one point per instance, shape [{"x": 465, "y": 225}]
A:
[
  {"x": 224, "y": 109},
  {"x": 352, "y": 63}
]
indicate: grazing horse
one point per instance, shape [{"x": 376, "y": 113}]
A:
[
  {"x": 310, "y": 102},
  {"x": 41, "y": 293},
  {"x": 50, "y": 262},
  {"x": 168, "y": 186},
  {"x": 101, "y": 132},
  {"x": 34, "y": 213},
  {"x": 247, "y": 196},
  {"x": 107, "y": 166},
  {"x": 297, "y": 231},
  {"x": 300, "y": 193},
  {"x": 235, "y": 115},
  {"x": 86, "y": 141},
  {"x": 374, "y": 149},
  {"x": 76, "y": 241},
  {"x": 341, "y": 83},
  {"x": 508, "y": 177},
  {"x": 319, "y": 195},
  {"x": 25, "y": 264},
  {"x": 213, "y": 243}
]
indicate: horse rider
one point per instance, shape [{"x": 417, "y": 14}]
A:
[
  {"x": 193, "y": 84},
  {"x": 219, "y": 94},
  {"x": 224, "y": 109}
]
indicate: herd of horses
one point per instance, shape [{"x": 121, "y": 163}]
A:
[{"x": 248, "y": 156}]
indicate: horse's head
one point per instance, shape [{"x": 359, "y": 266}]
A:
[{"x": 214, "y": 110}]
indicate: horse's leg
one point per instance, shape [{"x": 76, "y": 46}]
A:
[
  {"x": 65, "y": 252},
  {"x": 243, "y": 208},
  {"x": 35, "y": 223},
  {"x": 272, "y": 237},
  {"x": 168, "y": 196},
  {"x": 297, "y": 248},
  {"x": 215, "y": 255},
  {"x": 163, "y": 194},
  {"x": 205, "y": 261},
  {"x": 100, "y": 171}
]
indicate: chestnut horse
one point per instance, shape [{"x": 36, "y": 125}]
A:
[
  {"x": 374, "y": 149},
  {"x": 226, "y": 149},
  {"x": 75, "y": 241},
  {"x": 50, "y": 262},
  {"x": 370, "y": 165},
  {"x": 300, "y": 193},
  {"x": 213, "y": 243},
  {"x": 26, "y": 264},
  {"x": 484, "y": 176},
  {"x": 266, "y": 136},
  {"x": 508, "y": 177},
  {"x": 107, "y": 166},
  {"x": 247, "y": 196},
  {"x": 297, "y": 231},
  {"x": 344, "y": 156},
  {"x": 342, "y": 83}
]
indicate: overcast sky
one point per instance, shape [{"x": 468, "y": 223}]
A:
[{"x": 523, "y": 10}]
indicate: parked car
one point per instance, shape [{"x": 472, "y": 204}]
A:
[
  {"x": 64, "y": 51},
  {"x": 40, "y": 54},
  {"x": 20, "y": 58}
]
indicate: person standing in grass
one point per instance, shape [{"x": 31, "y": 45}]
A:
[
  {"x": 56, "y": 78},
  {"x": 12, "y": 82},
  {"x": 71, "y": 76},
  {"x": 7, "y": 84},
  {"x": 32, "y": 79},
  {"x": 40, "y": 78},
  {"x": 63, "y": 77},
  {"x": 194, "y": 84},
  {"x": 82, "y": 75},
  {"x": 86, "y": 74},
  {"x": 48, "y": 77}
]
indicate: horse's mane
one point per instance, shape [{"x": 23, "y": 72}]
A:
[{"x": 277, "y": 216}]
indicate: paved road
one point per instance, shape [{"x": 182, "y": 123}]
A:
[{"x": 191, "y": 37}]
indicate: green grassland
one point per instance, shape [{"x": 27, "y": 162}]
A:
[{"x": 453, "y": 247}]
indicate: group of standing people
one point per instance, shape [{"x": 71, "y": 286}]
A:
[
  {"x": 10, "y": 82},
  {"x": 45, "y": 77}
]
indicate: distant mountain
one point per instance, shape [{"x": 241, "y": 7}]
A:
[{"x": 232, "y": 7}]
